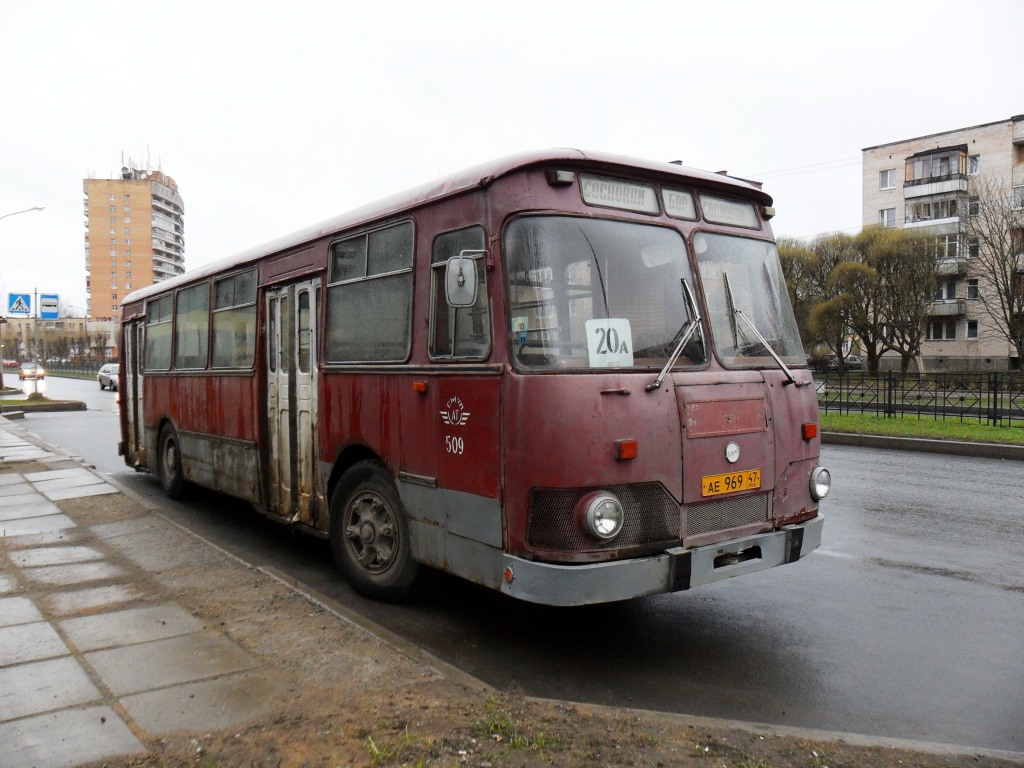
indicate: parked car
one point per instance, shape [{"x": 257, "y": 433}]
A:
[
  {"x": 107, "y": 375},
  {"x": 30, "y": 370},
  {"x": 852, "y": 362}
]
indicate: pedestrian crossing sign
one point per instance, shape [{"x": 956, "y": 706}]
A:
[{"x": 19, "y": 304}]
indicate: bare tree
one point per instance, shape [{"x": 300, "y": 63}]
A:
[
  {"x": 909, "y": 272},
  {"x": 996, "y": 226}
]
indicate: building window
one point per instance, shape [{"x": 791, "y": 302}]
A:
[
  {"x": 947, "y": 291},
  {"x": 973, "y": 165},
  {"x": 972, "y": 329},
  {"x": 947, "y": 246},
  {"x": 1018, "y": 197},
  {"x": 973, "y": 206},
  {"x": 941, "y": 329},
  {"x": 972, "y": 289},
  {"x": 887, "y": 217},
  {"x": 942, "y": 208},
  {"x": 973, "y": 249},
  {"x": 887, "y": 179}
]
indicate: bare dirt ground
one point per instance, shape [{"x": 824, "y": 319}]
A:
[{"x": 350, "y": 699}]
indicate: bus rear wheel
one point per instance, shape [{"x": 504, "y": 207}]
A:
[
  {"x": 172, "y": 477},
  {"x": 370, "y": 534}
]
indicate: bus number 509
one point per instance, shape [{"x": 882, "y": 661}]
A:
[{"x": 454, "y": 445}]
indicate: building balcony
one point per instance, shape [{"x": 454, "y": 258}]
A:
[
  {"x": 948, "y": 308},
  {"x": 947, "y": 226},
  {"x": 935, "y": 185},
  {"x": 952, "y": 267}
]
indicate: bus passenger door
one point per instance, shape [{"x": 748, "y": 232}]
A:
[
  {"x": 291, "y": 400},
  {"x": 131, "y": 398}
]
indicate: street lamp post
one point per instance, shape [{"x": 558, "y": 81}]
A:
[
  {"x": 27, "y": 210},
  {"x": 15, "y": 213}
]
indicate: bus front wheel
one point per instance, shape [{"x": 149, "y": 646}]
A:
[
  {"x": 172, "y": 478},
  {"x": 370, "y": 534}
]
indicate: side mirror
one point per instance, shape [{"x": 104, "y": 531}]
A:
[{"x": 460, "y": 279}]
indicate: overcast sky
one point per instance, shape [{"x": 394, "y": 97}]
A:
[{"x": 274, "y": 115}]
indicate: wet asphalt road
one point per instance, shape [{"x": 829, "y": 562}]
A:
[{"x": 907, "y": 623}]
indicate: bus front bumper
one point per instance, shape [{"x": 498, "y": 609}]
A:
[{"x": 673, "y": 570}]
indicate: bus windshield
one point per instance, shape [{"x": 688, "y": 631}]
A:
[
  {"x": 747, "y": 300},
  {"x": 593, "y": 293}
]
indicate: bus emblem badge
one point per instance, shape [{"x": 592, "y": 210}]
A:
[
  {"x": 732, "y": 453},
  {"x": 453, "y": 415}
]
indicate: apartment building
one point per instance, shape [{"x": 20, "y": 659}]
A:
[
  {"x": 926, "y": 184},
  {"x": 135, "y": 236}
]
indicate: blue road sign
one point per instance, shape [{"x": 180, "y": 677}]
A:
[
  {"x": 19, "y": 304},
  {"x": 48, "y": 306}
]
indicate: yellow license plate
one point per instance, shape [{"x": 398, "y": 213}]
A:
[{"x": 748, "y": 479}]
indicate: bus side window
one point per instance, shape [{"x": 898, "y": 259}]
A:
[
  {"x": 234, "y": 321},
  {"x": 192, "y": 327},
  {"x": 369, "y": 296},
  {"x": 458, "y": 332},
  {"x": 158, "y": 334}
]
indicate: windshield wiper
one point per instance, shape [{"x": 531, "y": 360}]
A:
[
  {"x": 735, "y": 312},
  {"x": 688, "y": 329}
]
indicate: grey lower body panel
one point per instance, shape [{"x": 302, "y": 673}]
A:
[
  {"x": 671, "y": 571},
  {"x": 219, "y": 463}
]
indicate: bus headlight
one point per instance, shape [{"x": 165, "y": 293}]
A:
[
  {"x": 602, "y": 515},
  {"x": 821, "y": 483}
]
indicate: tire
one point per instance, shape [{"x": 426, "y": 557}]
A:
[
  {"x": 370, "y": 534},
  {"x": 172, "y": 477},
  {"x": 101, "y": 386}
]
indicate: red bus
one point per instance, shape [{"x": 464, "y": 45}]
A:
[{"x": 570, "y": 377}]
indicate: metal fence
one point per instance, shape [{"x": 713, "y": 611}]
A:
[
  {"x": 83, "y": 369},
  {"x": 995, "y": 398}
]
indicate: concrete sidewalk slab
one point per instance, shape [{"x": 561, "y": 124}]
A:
[
  {"x": 43, "y": 686},
  {"x": 35, "y": 558},
  {"x": 18, "y": 500},
  {"x": 161, "y": 663},
  {"x": 17, "y": 610},
  {"x": 67, "y": 738},
  {"x": 78, "y": 492},
  {"x": 77, "y": 573},
  {"x": 30, "y": 642},
  {"x": 209, "y": 704},
  {"x": 35, "y": 525},
  {"x": 128, "y": 627},
  {"x": 62, "y": 604},
  {"x": 36, "y": 506}
]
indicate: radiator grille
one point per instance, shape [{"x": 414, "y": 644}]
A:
[
  {"x": 652, "y": 516},
  {"x": 723, "y": 514}
]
